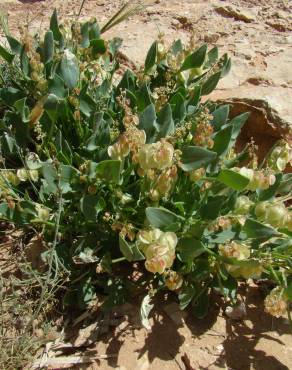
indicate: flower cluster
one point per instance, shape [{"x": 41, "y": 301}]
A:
[
  {"x": 275, "y": 214},
  {"x": 158, "y": 248}
]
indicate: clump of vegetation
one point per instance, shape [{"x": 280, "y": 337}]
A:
[{"x": 119, "y": 170}]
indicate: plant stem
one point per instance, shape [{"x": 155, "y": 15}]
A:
[
  {"x": 80, "y": 9},
  {"x": 117, "y": 260}
]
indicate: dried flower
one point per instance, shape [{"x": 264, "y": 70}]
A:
[
  {"x": 173, "y": 280},
  {"x": 275, "y": 303}
]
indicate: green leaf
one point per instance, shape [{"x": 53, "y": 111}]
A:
[
  {"x": 285, "y": 186},
  {"x": 22, "y": 109},
  {"x": 48, "y": 47},
  {"x": 226, "y": 65},
  {"x": 165, "y": 122},
  {"x": 288, "y": 292},
  {"x": 137, "y": 254},
  {"x": 9, "y": 95},
  {"x": 86, "y": 103},
  {"x": 151, "y": 57},
  {"x": 222, "y": 140},
  {"x": 220, "y": 116},
  {"x": 211, "y": 84},
  {"x": 186, "y": 296},
  {"x": 213, "y": 207},
  {"x": 14, "y": 44},
  {"x": 233, "y": 179},
  {"x": 228, "y": 287},
  {"x": 143, "y": 97},
  {"x": 194, "y": 157},
  {"x": 114, "y": 45},
  {"x": 189, "y": 249},
  {"x": 94, "y": 31},
  {"x": 6, "y": 55},
  {"x": 54, "y": 27},
  {"x": 162, "y": 218},
  {"x": 195, "y": 96},
  {"x": 109, "y": 170},
  {"x": 145, "y": 310},
  {"x": 125, "y": 249},
  {"x": 196, "y": 59},
  {"x": 98, "y": 46},
  {"x": 69, "y": 69},
  {"x": 237, "y": 123},
  {"x": 85, "y": 43},
  {"x": 147, "y": 120},
  {"x": 255, "y": 229},
  {"x": 57, "y": 87},
  {"x": 177, "y": 47},
  {"x": 101, "y": 133},
  {"x": 24, "y": 62},
  {"x": 212, "y": 57}
]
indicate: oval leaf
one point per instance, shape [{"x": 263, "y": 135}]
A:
[
  {"x": 69, "y": 69},
  {"x": 233, "y": 179},
  {"x": 194, "y": 157}
]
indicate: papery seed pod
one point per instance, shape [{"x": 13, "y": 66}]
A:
[
  {"x": 275, "y": 303},
  {"x": 34, "y": 175},
  {"x": 261, "y": 210},
  {"x": 12, "y": 178},
  {"x": 154, "y": 195},
  {"x": 43, "y": 212},
  {"x": 242, "y": 205},
  {"x": 235, "y": 250},
  {"x": 276, "y": 215},
  {"x": 22, "y": 174}
]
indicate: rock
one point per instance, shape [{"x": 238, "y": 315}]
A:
[
  {"x": 211, "y": 37},
  {"x": 175, "y": 313},
  {"x": 237, "y": 312},
  {"x": 239, "y": 14},
  {"x": 271, "y": 113},
  {"x": 198, "y": 358}
]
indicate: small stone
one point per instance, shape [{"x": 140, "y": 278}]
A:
[
  {"x": 238, "y": 14},
  {"x": 211, "y": 38},
  {"x": 237, "y": 312}
]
